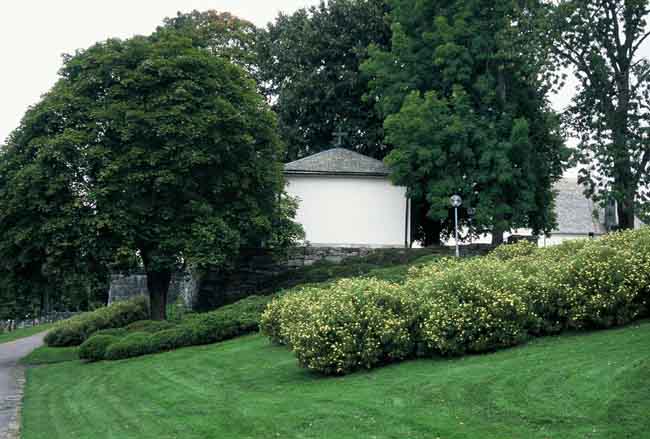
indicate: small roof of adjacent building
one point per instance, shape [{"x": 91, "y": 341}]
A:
[
  {"x": 338, "y": 161},
  {"x": 575, "y": 212}
]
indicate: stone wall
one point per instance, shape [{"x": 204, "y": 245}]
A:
[
  {"x": 258, "y": 271},
  {"x": 125, "y": 286}
]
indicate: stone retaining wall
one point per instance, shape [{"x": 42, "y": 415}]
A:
[
  {"x": 127, "y": 285},
  {"x": 257, "y": 271}
]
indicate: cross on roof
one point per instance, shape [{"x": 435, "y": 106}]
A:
[{"x": 340, "y": 134}]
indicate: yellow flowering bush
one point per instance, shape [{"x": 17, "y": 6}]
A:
[
  {"x": 291, "y": 306},
  {"x": 589, "y": 283},
  {"x": 517, "y": 250},
  {"x": 452, "y": 306},
  {"x": 353, "y": 324},
  {"x": 473, "y": 306}
]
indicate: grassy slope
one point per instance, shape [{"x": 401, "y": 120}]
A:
[
  {"x": 24, "y": 332},
  {"x": 47, "y": 355},
  {"x": 576, "y": 386}
]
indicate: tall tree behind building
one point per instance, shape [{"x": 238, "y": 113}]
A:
[
  {"x": 466, "y": 112},
  {"x": 309, "y": 64}
]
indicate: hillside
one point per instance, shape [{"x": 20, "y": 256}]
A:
[{"x": 593, "y": 385}]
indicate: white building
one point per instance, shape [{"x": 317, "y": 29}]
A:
[
  {"x": 346, "y": 200},
  {"x": 578, "y": 217}
]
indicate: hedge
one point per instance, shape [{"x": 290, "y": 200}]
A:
[
  {"x": 357, "y": 323},
  {"x": 75, "y": 331},
  {"x": 94, "y": 349},
  {"x": 453, "y": 307},
  {"x": 147, "y": 337}
]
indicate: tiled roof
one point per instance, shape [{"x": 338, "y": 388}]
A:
[
  {"x": 575, "y": 212},
  {"x": 337, "y": 161}
]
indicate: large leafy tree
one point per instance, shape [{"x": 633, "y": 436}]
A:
[
  {"x": 600, "y": 41},
  {"x": 44, "y": 263},
  {"x": 221, "y": 33},
  {"x": 176, "y": 157},
  {"x": 466, "y": 113},
  {"x": 309, "y": 65}
]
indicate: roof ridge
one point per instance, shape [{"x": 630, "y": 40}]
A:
[{"x": 338, "y": 161}]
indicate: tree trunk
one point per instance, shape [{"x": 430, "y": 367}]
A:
[
  {"x": 45, "y": 302},
  {"x": 158, "y": 286},
  {"x": 432, "y": 230},
  {"x": 497, "y": 236},
  {"x": 626, "y": 213}
]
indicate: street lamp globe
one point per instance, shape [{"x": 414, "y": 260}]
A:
[{"x": 456, "y": 201}]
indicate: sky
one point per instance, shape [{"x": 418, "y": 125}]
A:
[{"x": 35, "y": 33}]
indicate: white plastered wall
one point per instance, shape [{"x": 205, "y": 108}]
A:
[
  {"x": 350, "y": 211},
  {"x": 543, "y": 241}
]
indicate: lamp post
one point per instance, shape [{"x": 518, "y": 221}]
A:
[{"x": 456, "y": 202}]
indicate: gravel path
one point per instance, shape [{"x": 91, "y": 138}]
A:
[{"x": 12, "y": 380}]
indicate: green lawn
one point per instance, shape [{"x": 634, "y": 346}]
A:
[
  {"x": 47, "y": 355},
  {"x": 24, "y": 332},
  {"x": 576, "y": 386}
]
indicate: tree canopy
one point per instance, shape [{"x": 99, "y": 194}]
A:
[
  {"x": 43, "y": 227},
  {"x": 466, "y": 113},
  {"x": 165, "y": 151},
  {"x": 221, "y": 33},
  {"x": 309, "y": 65}
]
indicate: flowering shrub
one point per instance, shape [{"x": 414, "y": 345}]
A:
[
  {"x": 452, "y": 307},
  {"x": 353, "y": 324},
  {"x": 473, "y": 306},
  {"x": 290, "y": 307},
  {"x": 517, "y": 250}
]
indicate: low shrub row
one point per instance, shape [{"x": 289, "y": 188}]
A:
[
  {"x": 353, "y": 323},
  {"x": 453, "y": 307},
  {"x": 147, "y": 337},
  {"x": 241, "y": 317},
  {"x": 75, "y": 331}
]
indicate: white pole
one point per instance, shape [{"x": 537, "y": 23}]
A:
[{"x": 456, "y": 222}]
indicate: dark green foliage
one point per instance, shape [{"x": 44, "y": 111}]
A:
[
  {"x": 94, "y": 349},
  {"x": 148, "y": 326},
  {"x": 44, "y": 259},
  {"x": 309, "y": 63},
  {"x": 76, "y": 330},
  {"x": 228, "y": 322},
  {"x": 465, "y": 113},
  {"x": 133, "y": 345},
  {"x": 174, "y": 338},
  {"x": 149, "y": 146},
  {"x": 222, "y": 33},
  {"x": 113, "y": 332},
  {"x": 149, "y": 337}
]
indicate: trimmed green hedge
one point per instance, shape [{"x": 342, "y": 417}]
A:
[
  {"x": 148, "y": 326},
  {"x": 148, "y": 337},
  {"x": 132, "y": 345},
  {"x": 453, "y": 307},
  {"x": 94, "y": 349},
  {"x": 75, "y": 331}
]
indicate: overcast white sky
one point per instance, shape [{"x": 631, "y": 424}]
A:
[{"x": 34, "y": 34}]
